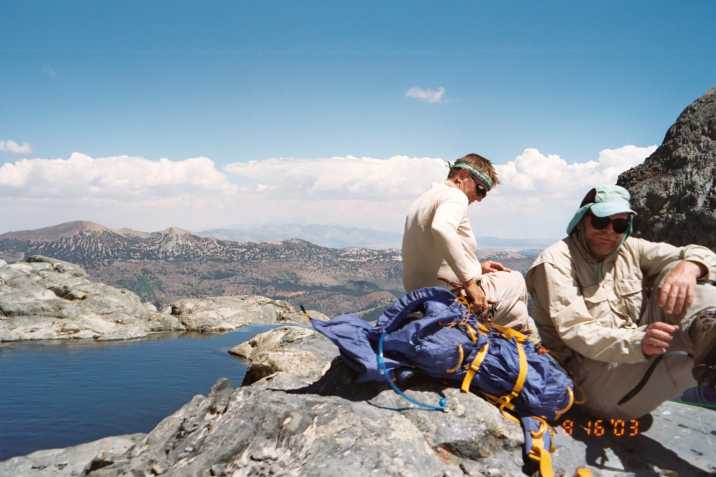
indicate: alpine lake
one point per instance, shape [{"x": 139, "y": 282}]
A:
[{"x": 59, "y": 394}]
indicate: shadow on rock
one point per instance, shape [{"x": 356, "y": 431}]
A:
[
  {"x": 612, "y": 451},
  {"x": 339, "y": 380}
]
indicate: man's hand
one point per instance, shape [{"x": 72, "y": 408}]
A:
[
  {"x": 657, "y": 338},
  {"x": 677, "y": 288},
  {"x": 490, "y": 266},
  {"x": 476, "y": 297}
]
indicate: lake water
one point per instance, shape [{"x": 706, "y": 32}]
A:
[{"x": 59, "y": 395}]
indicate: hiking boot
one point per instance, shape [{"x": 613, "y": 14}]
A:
[{"x": 703, "y": 334}]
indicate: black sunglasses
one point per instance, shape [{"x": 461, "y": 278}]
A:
[
  {"x": 618, "y": 225},
  {"x": 479, "y": 188}
]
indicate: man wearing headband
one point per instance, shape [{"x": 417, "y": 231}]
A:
[
  {"x": 633, "y": 321},
  {"x": 439, "y": 248}
]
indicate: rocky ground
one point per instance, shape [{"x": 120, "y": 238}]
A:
[
  {"x": 47, "y": 299},
  {"x": 299, "y": 413}
]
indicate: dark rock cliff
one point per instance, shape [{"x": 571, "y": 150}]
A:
[{"x": 674, "y": 190}]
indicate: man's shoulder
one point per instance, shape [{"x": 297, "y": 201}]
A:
[
  {"x": 557, "y": 250},
  {"x": 449, "y": 191},
  {"x": 558, "y": 254},
  {"x": 441, "y": 192}
]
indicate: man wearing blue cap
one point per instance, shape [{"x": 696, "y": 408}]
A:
[
  {"x": 633, "y": 321},
  {"x": 439, "y": 247}
]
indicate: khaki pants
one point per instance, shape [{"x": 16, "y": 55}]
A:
[
  {"x": 605, "y": 384},
  {"x": 509, "y": 292}
]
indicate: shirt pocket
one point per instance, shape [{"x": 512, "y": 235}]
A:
[
  {"x": 597, "y": 300},
  {"x": 631, "y": 299}
]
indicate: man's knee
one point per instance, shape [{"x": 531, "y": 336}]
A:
[
  {"x": 508, "y": 286},
  {"x": 515, "y": 282}
]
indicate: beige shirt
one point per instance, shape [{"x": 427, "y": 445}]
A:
[
  {"x": 593, "y": 308},
  {"x": 438, "y": 243}
]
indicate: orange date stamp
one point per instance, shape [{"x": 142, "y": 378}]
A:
[{"x": 597, "y": 428}]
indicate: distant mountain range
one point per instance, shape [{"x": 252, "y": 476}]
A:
[
  {"x": 334, "y": 236},
  {"x": 337, "y": 236},
  {"x": 174, "y": 263}
]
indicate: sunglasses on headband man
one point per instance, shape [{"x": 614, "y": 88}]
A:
[
  {"x": 480, "y": 189},
  {"x": 619, "y": 225}
]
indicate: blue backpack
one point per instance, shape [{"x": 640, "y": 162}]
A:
[{"x": 430, "y": 331}]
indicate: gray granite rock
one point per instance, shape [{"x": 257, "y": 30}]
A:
[
  {"x": 674, "y": 190},
  {"x": 274, "y": 351},
  {"x": 227, "y": 313},
  {"x": 73, "y": 461},
  {"x": 47, "y": 299}
]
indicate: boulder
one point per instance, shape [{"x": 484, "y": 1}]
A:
[
  {"x": 273, "y": 352},
  {"x": 227, "y": 313},
  {"x": 48, "y": 299},
  {"x": 43, "y": 298},
  {"x": 73, "y": 461},
  {"x": 674, "y": 189}
]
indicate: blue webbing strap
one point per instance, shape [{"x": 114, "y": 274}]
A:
[{"x": 442, "y": 403}]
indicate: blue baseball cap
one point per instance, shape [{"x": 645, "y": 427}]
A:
[{"x": 602, "y": 201}]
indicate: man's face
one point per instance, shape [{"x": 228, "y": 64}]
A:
[
  {"x": 477, "y": 192},
  {"x": 602, "y": 242},
  {"x": 470, "y": 186}
]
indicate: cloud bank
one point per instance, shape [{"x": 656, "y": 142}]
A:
[
  {"x": 537, "y": 195},
  {"x": 427, "y": 95},
  {"x": 335, "y": 178},
  {"x": 13, "y": 147},
  {"x": 120, "y": 177}
]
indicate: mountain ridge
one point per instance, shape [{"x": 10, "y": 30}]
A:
[{"x": 171, "y": 264}]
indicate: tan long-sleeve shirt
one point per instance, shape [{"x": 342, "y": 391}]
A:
[
  {"x": 594, "y": 308},
  {"x": 438, "y": 243}
]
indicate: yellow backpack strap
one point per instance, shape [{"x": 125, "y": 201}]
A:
[
  {"x": 566, "y": 408},
  {"x": 538, "y": 452},
  {"x": 510, "y": 333},
  {"x": 504, "y": 401},
  {"x": 460, "y": 358},
  {"x": 471, "y": 333},
  {"x": 474, "y": 368}
]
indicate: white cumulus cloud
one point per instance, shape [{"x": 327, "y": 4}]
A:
[
  {"x": 540, "y": 192},
  {"x": 118, "y": 177},
  {"x": 348, "y": 177},
  {"x": 13, "y": 147},
  {"x": 426, "y": 94},
  {"x": 549, "y": 174}
]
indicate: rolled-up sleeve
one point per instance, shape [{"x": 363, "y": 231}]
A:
[
  {"x": 654, "y": 256},
  {"x": 557, "y": 293},
  {"x": 446, "y": 220}
]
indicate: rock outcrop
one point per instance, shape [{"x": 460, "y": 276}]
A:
[
  {"x": 300, "y": 413},
  {"x": 47, "y": 299},
  {"x": 227, "y": 313},
  {"x": 674, "y": 190}
]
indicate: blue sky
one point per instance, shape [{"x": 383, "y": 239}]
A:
[{"x": 254, "y": 81}]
